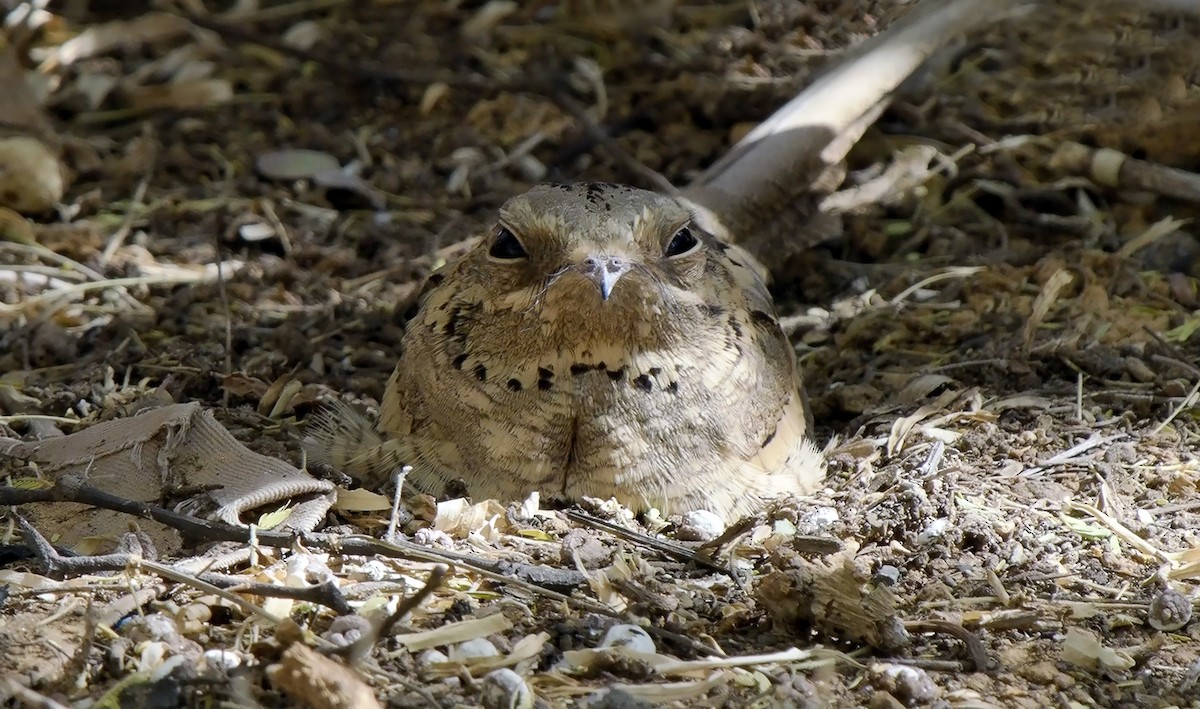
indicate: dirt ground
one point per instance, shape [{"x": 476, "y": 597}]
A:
[{"x": 1000, "y": 354}]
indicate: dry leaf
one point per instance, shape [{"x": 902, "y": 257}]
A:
[
  {"x": 1083, "y": 648},
  {"x": 452, "y": 633},
  {"x": 152, "y": 455}
]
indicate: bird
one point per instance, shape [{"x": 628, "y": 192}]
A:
[{"x": 596, "y": 342}]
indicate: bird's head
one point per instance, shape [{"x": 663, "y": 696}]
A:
[{"x": 600, "y": 247}]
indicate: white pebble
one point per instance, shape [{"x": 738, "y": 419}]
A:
[
  {"x": 707, "y": 524},
  {"x": 222, "y": 660},
  {"x": 505, "y": 689},
  {"x": 818, "y": 520},
  {"x": 375, "y": 570},
  {"x": 629, "y": 636},
  {"x": 431, "y": 657},
  {"x": 479, "y": 647},
  {"x": 935, "y": 530}
]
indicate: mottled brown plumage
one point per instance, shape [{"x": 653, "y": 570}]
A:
[{"x": 595, "y": 343}]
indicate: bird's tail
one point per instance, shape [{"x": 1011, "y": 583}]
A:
[{"x": 346, "y": 439}]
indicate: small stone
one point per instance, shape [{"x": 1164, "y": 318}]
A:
[
  {"x": 374, "y": 570},
  {"x": 911, "y": 685},
  {"x": 1042, "y": 673},
  {"x": 615, "y": 699},
  {"x": 431, "y": 657},
  {"x": 222, "y": 660},
  {"x": 700, "y": 526},
  {"x": 933, "y": 531},
  {"x": 590, "y": 552},
  {"x": 154, "y": 626},
  {"x": 346, "y": 629},
  {"x": 886, "y": 575},
  {"x": 629, "y": 636},
  {"x": 479, "y": 647},
  {"x": 818, "y": 521},
  {"x": 1170, "y": 610},
  {"x": 505, "y": 689}
]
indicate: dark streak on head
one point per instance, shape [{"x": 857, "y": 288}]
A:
[
  {"x": 643, "y": 382},
  {"x": 594, "y": 193}
]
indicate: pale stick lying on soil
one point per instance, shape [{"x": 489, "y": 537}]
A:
[
  {"x": 1115, "y": 169},
  {"x": 789, "y": 154},
  {"x": 797, "y": 150}
]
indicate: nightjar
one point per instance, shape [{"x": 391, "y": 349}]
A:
[{"x": 596, "y": 343}]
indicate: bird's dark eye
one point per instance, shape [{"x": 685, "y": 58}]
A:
[
  {"x": 683, "y": 242},
  {"x": 505, "y": 245}
]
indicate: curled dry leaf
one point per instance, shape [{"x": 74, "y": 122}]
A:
[
  {"x": 460, "y": 517},
  {"x": 361, "y": 500},
  {"x": 156, "y": 453},
  {"x": 1083, "y": 648}
]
